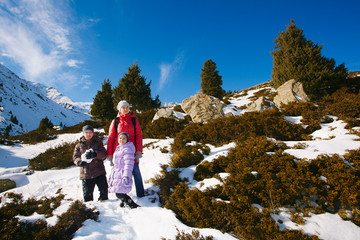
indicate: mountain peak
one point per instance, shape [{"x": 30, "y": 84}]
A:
[{"x": 30, "y": 102}]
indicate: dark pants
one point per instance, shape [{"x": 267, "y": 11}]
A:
[
  {"x": 89, "y": 185},
  {"x": 138, "y": 181}
]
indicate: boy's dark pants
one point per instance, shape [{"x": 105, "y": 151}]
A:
[{"x": 89, "y": 185}]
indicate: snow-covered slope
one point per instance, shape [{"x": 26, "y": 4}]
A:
[
  {"x": 150, "y": 221},
  {"x": 30, "y": 102}
]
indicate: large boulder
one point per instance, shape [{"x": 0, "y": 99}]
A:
[
  {"x": 202, "y": 107},
  {"x": 290, "y": 91},
  {"x": 163, "y": 113}
]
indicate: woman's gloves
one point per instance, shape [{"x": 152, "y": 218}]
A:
[{"x": 87, "y": 157}]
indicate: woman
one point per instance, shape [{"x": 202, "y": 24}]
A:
[{"x": 126, "y": 122}]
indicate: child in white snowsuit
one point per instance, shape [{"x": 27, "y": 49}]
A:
[{"x": 120, "y": 179}]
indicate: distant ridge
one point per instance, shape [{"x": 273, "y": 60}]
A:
[{"x": 29, "y": 102}]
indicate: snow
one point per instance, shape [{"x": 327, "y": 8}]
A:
[
  {"x": 188, "y": 173},
  {"x": 30, "y": 102},
  {"x": 331, "y": 139},
  {"x": 326, "y": 226},
  {"x": 150, "y": 221}
]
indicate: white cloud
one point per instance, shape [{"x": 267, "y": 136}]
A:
[
  {"x": 74, "y": 63},
  {"x": 37, "y": 35},
  {"x": 167, "y": 70}
]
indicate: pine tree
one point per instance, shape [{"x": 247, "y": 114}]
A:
[
  {"x": 14, "y": 119},
  {"x": 45, "y": 124},
  {"x": 102, "y": 109},
  {"x": 132, "y": 87},
  {"x": 297, "y": 58},
  {"x": 211, "y": 81}
]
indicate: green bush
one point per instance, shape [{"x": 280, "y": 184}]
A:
[
  {"x": 217, "y": 132},
  {"x": 59, "y": 157},
  {"x": 6, "y": 184},
  {"x": 344, "y": 103},
  {"x": 163, "y": 127},
  {"x": 69, "y": 222},
  {"x": 78, "y": 127},
  {"x": 41, "y": 135},
  {"x": 195, "y": 235},
  {"x": 34, "y": 136},
  {"x": 166, "y": 180}
]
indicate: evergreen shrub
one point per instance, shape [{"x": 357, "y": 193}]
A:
[
  {"x": 344, "y": 103},
  {"x": 69, "y": 222},
  {"x": 59, "y": 157},
  {"x": 78, "y": 127},
  {"x": 195, "y": 235},
  {"x": 167, "y": 181},
  {"x": 163, "y": 128}
]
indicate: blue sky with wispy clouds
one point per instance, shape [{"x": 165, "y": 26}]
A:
[{"x": 74, "y": 45}]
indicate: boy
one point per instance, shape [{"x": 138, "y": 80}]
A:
[{"x": 89, "y": 155}]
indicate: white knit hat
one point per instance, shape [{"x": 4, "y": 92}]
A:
[{"x": 122, "y": 103}]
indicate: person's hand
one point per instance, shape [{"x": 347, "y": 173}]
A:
[
  {"x": 84, "y": 159},
  {"x": 109, "y": 157},
  {"x": 126, "y": 180},
  {"x": 90, "y": 154},
  {"x": 139, "y": 154},
  {"x": 82, "y": 163}
]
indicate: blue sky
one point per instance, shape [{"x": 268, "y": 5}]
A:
[{"x": 74, "y": 45}]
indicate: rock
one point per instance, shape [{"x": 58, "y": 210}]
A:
[
  {"x": 6, "y": 184},
  {"x": 202, "y": 107},
  {"x": 163, "y": 113},
  {"x": 258, "y": 105},
  {"x": 291, "y": 91}
]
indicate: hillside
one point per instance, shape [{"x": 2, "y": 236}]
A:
[
  {"x": 30, "y": 102},
  {"x": 248, "y": 175}
]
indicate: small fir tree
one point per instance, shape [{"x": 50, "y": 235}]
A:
[
  {"x": 102, "y": 109},
  {"x": 211, "y": 81},
  {"x": 14, "y": 119},
  {"x": 45, "y": 124},
  {"x": 133, "y": 88},
  {"x": 297, "y": 58}
]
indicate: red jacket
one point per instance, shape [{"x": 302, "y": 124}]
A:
[{"x": 125, "y": 125}]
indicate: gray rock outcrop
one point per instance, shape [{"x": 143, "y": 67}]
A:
[
  {"x": 202, "y": 107},
  {"x": 258, "y": 105},
  {"x": 163, "y": 113},
  {"x": 290, "y": 91}
]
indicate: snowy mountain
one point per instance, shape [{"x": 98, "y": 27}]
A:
[
  {"x": 29, "y": 102},
  {"x": 66, "y": 102}
]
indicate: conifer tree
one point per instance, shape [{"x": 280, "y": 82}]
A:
[
  {"x": 297, "y": 58},
  {"x": 45, "y": 124},
  {"x": 14, "y": 119},
  {"x": 211, "y": 81},
  {"x": 102, "y": 109},
  {"x": 133, "y": 88}
]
